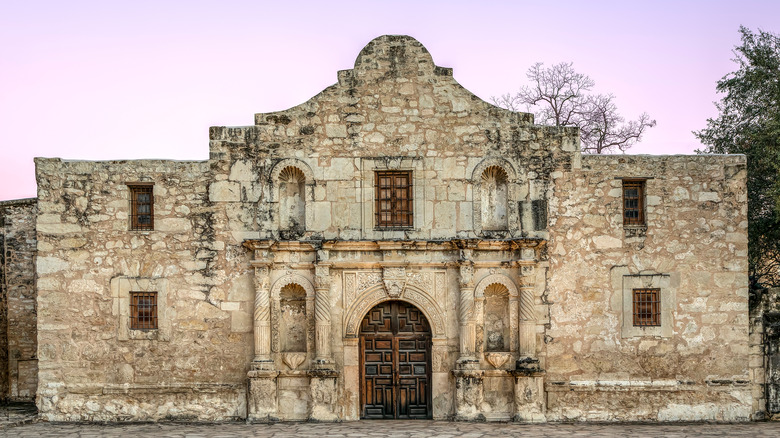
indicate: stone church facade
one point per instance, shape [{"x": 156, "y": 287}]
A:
[{"x": 394, "y": 247}]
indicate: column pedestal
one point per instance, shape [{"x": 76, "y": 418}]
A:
[
  {"x": 530, "y": 402},
  {"x": 324, "y": 398},
  {"x": 262, "y": 400},
  {"x": 469, "y": 395}
]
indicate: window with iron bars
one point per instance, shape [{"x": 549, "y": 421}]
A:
[
  {"x": 633, "y": 202},
  {"x": 141, "y": 206},
  {"x": 143, "y": 310},
  {"x": 393, "y": 199},
  {"x": 647, "y": 307}
]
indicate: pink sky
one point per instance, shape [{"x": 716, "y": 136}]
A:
[{"x": 99, "y": 80}]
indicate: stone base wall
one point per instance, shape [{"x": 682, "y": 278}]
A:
[
  {"x": 192, "y": 402},
  {"x": 18, "y": 317},
  {"x": 657, "y": 401}
]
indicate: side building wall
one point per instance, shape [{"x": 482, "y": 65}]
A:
[
  {"x": 693, "y": 248},
  {"x": 18, "y": 319},
  {"x": 91, "y": 366}
]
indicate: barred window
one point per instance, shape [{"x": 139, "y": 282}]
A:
[
  {"x": 647, "y": 307},
  {"x": 141, "y": 206},
  {"x": 393, "y": 199},
  {"x": 633, "y": 202},
  {"x": 143, "y": 310}
]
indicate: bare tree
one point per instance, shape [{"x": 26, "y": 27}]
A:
[
  {"x": 560, "y": 96},
  {"x": 602, "y": 129}
]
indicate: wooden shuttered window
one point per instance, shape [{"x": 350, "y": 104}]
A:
[{"x": 394, "y": 201}]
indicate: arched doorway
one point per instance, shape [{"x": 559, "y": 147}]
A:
[{"x": 395, "y": 362}]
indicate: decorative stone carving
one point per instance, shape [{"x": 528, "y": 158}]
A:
[
  {"x": 497, "y": 360},
  {"x": 394, "y": 280},
  {"x": 293, "y": 360}
]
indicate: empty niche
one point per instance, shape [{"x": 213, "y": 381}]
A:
[
  {"x": 493, "y": 197},
  {"x": 496, "y": 330},
  {"x": 292, "y": 202},
  {"x": 292, "y": 318}
]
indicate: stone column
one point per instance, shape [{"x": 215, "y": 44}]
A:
[
  {"x": 468, "y": 378},
  {"x": 322, "y": 316},
  {"x": 262, "y": 319},
  {"x": 527, "y": 326},
  {"x": 262, "y": 395},
  {"x": 466, "y": 312}
]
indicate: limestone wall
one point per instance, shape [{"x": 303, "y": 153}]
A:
[
  {"x": 18, "y": 342},
  {"x": 91, "y": 367},
  {"x": 695, "y": 247}
]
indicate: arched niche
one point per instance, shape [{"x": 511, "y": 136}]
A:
[
  {"x": 292, "y": 319},
  {"x": 495, "y": 213},
  {"x": 494, "y": 204},
  {"x": 292, "y": 181},
  {"x": 292, "y": 302},
  {"x": 496, "y": 297}
]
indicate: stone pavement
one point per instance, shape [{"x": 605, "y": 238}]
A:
[{"x": 422, "y": 429}]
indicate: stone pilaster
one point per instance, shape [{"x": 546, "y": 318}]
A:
[
  {"x": 322, "y": 316},
  {"x": 262, "y": 319}
]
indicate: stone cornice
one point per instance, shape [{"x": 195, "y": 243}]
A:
[{"x": 389, "y": 245}]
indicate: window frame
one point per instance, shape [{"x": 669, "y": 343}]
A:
[
  {"x": 640, "y": 185},
  {"x": 396, "y": 216},
  {"x": 121, "y": 287},
  {"x": 136, "y": 189}
]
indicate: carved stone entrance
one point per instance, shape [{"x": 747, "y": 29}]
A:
[{"x": 395, "y": 362}]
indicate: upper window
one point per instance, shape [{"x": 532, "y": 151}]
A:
[
  {"x": 647, "y": 307},
  {"x": 141, "y": 206},
  {"x": 393, "y": 199},
  {"x": 143, "y": 310},
  {"x": 633, "y": 202}
]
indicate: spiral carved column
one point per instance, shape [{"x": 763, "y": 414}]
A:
[
  {"x": 466, "y": 313},
  {"x": 322, "y": 314},
  {"x": 527, "y": 327},
  {"x": 262, "y": 316}
]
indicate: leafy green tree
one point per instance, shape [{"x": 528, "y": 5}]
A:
[{"x": 749, "y": 123}]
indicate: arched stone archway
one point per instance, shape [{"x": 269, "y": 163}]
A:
[{"x": 377, "y": 294}]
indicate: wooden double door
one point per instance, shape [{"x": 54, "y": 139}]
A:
[{"x": 395, "y": 362}]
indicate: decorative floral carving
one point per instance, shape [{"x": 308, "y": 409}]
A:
[
  {"x": 349, "y": 288},
  {"x": 367, "y": 279}
]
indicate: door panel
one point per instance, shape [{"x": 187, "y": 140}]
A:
[{"x": 395, "y": 362}]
